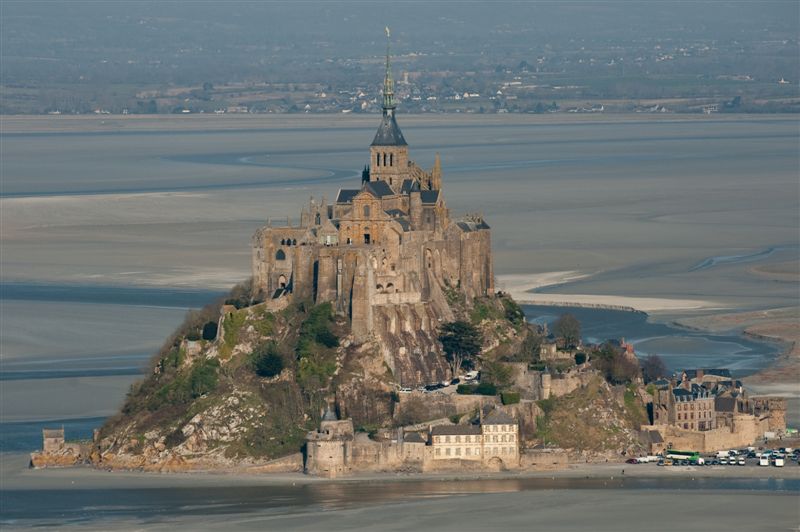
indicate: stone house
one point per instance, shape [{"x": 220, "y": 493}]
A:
[
  {"x": 334, "y": 450},
  {"x": 706, "y": 410}
]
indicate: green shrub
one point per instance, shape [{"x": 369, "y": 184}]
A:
[
  {"x": 509, "y": 398},
  {"x": 267, "y": 361},
  {"x": 327, "y": 338},
  {"x": 513, "y": 312},
  {"x": 203, "y": 378},
  {"x": 580, "y": 358},
  {"x": 486, "y": 388},
  {"x": 466, "y": 389}
]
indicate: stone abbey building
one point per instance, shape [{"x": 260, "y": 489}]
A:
[{"x": 383, "y": 254}]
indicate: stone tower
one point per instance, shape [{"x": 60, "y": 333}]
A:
[{"x": 389, "y": 150}]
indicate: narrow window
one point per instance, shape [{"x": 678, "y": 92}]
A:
[
  {"x": 366, "y": 238},
  {"x": 391, "y": 159},
  {"x": 366, "y": 211},
  {"x": 377, "y": 159},
  {"x": 384, "y": 159}
]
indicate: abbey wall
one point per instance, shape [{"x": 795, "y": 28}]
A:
[{"x": 383, "y": 254}]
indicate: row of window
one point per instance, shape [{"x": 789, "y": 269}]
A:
[
  {"x": 474, "y": 439},
  {"x": 705, "y": 405},
  {"x": 288, "y": 241},
  {"x": 700, "y": 415},
  {"x": 387, "y": 158},
  {"x": 499, "y": 428},
  {"x": 469, "y": 451}
]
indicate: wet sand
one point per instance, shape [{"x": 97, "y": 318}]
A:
[{"x": 584, "y": 497}]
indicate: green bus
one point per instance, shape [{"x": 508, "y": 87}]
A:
[{"x": 692, "y": 456}]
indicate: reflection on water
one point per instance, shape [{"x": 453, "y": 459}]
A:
[
  {"x": 680, "y": 348},
  {"x": 84, "y": 505}
]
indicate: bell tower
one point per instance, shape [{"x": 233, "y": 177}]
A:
[{"x": 389, "y": 150}]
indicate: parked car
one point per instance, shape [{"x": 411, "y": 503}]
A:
[
  {"x": 763, "y": 461},
  {"x": 668, "y": 461},
  {"x": 405, "y": 389},
  {"x": 778, "y": 462},
  {"x": 723, "y": 461},
  {"x": 741, "y": 461},
  {"x": 455, "y": 381},
  {"x": 631, "y": 461}
]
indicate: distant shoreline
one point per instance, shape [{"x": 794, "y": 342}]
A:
[{"x": 43, "y": 124}]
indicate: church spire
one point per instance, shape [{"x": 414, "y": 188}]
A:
[{"x": 388, "y": 83}]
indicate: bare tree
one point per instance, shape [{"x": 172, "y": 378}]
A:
[
  {"x": 653, "y": 368},
  {"x": 568, "y": 327}
]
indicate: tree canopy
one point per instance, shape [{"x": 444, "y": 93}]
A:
[
  {"x": 653, "y": 368},
  {"x": 461, "y": 342},
  {"x": 568, "y": 327}
]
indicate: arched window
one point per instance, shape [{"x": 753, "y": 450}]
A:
[
  {"x": 280, "y": 255},
  {"x": 282, "y": 281},
  {"x": 378, "y": 287},
  {"x": 317, "y": 219},
  {"x": 283, "y": 241},
  {"x": 366, "y": 211},
  {"x": 294, "y": 241}
]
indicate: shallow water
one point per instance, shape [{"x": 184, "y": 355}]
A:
[
  {"x": 151, "y": 505},
  {"x": 679, "y": 348}
]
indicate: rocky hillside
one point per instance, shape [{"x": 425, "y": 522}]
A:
[
  {"x": 595, "y": 422},
  {"x": 246, "y": 388}
]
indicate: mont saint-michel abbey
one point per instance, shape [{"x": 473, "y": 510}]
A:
[{"x": 385, "y": 253}]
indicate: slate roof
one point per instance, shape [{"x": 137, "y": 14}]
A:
[
  {"x": 498, "y": 417},
  {"x": 394, "y": 213},
  {"x": 455, "y": 430},
  {"x": 408, "y": 186},
  {"x": 346, "y": 195},
  {"x": 330, "y": 415},
  {"x": 379, "y": 189},
  {"x": 468, "y": 225},
  {"x": 429, "y": 196},
  {"x": 389, "y": 133},
  {"x": 725, "y": 404}
]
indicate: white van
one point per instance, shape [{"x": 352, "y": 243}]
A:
[
  {"x": 778, "y": 462},
  {"x": 763, "y": 461}
]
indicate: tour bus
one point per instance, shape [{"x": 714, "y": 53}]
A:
[{"x": 692, "y": 456}]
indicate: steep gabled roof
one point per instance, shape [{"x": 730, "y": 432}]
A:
[
  {"x": 389, "y": 133},
  {"x": 408, "y": 186},
  {"x": 429, "y": 196},
  {"x": 379, "y": 189},
  {"x": 346, "y": 195}
]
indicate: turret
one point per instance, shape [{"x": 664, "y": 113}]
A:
[{"x": 436, "y": 174}]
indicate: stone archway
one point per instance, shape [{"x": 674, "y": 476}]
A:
[{"x": 495, "y": 463}]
